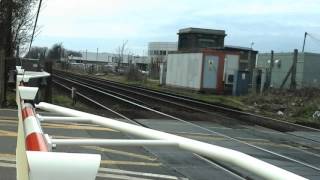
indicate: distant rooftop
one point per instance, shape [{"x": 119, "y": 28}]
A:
[
  {"x": 239, "y": 48},
  {"x": 170, "y": 43},
  {"x": 202, "y": 31}
]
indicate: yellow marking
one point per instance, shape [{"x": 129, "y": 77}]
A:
[
  {"x": 249, "y": 140},
  {"x": 8, "y": 157},
  {"x": 8, "y": 133},
  {"x": 205, "y": 137},
  {"x": 112, "y": 162},
  {"x": 6, "y": 109},
  {"x": 69, "y": 137},
  {"x": 15, "y": 121},
  {"x": 7, "y": 165},
  {"x": 9, "y": 118},
  {"x": 67, "y": 126},
  {"x": 215, "y": 137},
  {"x": 81, "y": 124},
  {"x": 8, "y": 125},
  {"x": 252, "y": 139},
  {"x": 120, "y": 152}
]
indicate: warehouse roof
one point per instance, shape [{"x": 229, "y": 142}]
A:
[
  {"x": 202, "y": 31},
  {"x": 241, "y": 48}
]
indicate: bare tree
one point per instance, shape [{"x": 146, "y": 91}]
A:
[
  {"x": 23, "y": 23},
  {"x": 56, "y": 52},
  {"x": 121, "y": 50},
  {"x": 15, "y": 20},
  {"x": 37, "y": 53}
]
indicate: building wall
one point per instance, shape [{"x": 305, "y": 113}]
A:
[
  {"x": 158, "y": 51},
  {"x": 184, "y": 70},
  {"x": 107, "y": 58},
  {"x": 311, "y": 76},
  {"x": 282, "y": 64},
  {"x": 197, "y": 41},
  {"x": 158, "y": 54}
]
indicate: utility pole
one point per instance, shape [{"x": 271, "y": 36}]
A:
[
  {"x": 269, "y": 76},
  {"x": 35, "y": 24},
  {"x": 97, "y": 54},
  {"x": 304, "y": 41},
  {"x": 86, "y": 54},
  {"x": 251, "y": 65},
  {"x": 294, "y": 70}
]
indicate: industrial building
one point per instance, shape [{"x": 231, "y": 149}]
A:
[
  {"x": 101, "y": 61},
  {"x": 204, "y": 63},
  {"x": 195, "y": 39},
  {"x": 158, "y": 54},
  {"x": 277, "y": 68}
]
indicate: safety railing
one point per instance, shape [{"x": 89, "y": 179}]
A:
[
  {"x": 35, "y": 148},
  {"x": 34, "y": 158}
]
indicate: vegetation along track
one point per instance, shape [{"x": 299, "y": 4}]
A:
[
  {"x": 188, "y": 104},
  {"x": 158, "y": 102},
  {"x": 91, "y": 85}
]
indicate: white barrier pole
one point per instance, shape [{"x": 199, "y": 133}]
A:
[
  {"x": 236, "y": 158},
  {"x": 112, "y": 142}
]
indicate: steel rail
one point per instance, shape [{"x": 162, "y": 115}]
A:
[
  {"x": 217, "y": 133},
  {"x": 197, "y": 109},
  {"x": 229, "y": 170},
  {"x": 192, "y": 100}
]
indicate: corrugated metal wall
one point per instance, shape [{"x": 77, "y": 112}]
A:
[
  {"x": 184, "y": 70},
  {"x": 311, "y": 76},
  {"x": 282, "y": 64}
]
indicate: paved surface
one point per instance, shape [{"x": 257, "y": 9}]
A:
[
  {"x": 282, "y": 144},
  {"x": 167, "y": 162},
  {"x": 117, "y": 163}
]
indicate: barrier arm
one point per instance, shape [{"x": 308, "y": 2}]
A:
[
  {"x": 33, "y": 157},
  {"x": 221, "y": 154}
]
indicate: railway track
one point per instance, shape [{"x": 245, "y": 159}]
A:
[
  {"x": 190, "y": 103},
  {"x": 139, "y": 103}
]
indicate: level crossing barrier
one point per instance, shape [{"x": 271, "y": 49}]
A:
[{"x": 37, "y": 161}]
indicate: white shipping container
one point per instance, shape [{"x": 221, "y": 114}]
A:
[{"x": 184, "y": 70}]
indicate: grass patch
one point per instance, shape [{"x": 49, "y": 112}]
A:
[
  {"x": 60, "y": 98},
  {"x": 297, "y": 106},
  {"x": 11, "y": 99}
]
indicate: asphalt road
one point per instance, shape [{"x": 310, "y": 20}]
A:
[
  {"x": 168, "y": 162},
  {"x": 117, "y": 163}
]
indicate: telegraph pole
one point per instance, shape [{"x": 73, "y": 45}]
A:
[
  {"x": 35, "y": 24},
  {"x": 304, "y": 41},
  {"x": 293, "y": 84}
]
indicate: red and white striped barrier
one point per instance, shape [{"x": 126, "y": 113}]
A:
[
  {"x": 33, "y": 157},
  {"x": 35, "y": 140}
]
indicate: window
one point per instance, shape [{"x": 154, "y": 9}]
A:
[{"x": 230, "y": 78}]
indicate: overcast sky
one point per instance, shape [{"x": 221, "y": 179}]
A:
[{"x": 105, "y": 24}]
